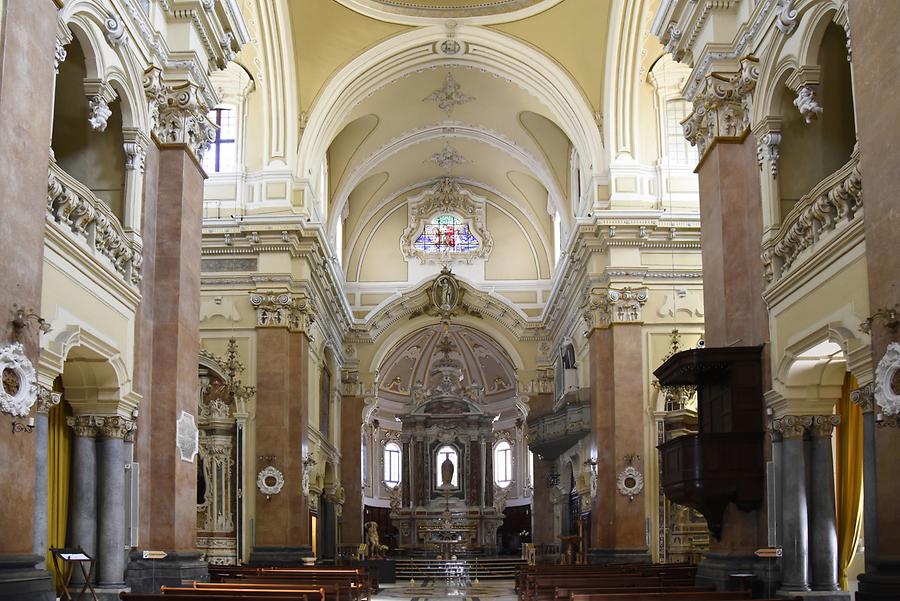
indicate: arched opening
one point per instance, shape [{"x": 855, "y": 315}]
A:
[
  {"x": 812, "y": 150},
  {"x": 87, "y": 137}
]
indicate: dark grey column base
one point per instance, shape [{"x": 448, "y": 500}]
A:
[
  {"x": 21, "y": 581},
  {"x": 718, "y": 569},
  {"x": 882, "y": 582},
  {"x": 279, "y": 556},
  {"x": 110, "y": 593},
  {"x": 147, "y": 575},
  {"x": 604, "y": 556}
]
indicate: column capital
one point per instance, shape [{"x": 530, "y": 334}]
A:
[
  {"x": 774, "y": 432},
  {"x": 864, "y": 397},
  {"x": 606, "y": 306},
  {"x": 178, "y": 111},
  {"x": 84, "y": 426},
  {"x": 47, "y": 399},
  {"x": 283, "y": 310},
  {"x": 113, "y": 426},
  {"x": 823, "y": 425},
  {"x": 722, "y": 106},
  {"x": 792, "y": 427}
]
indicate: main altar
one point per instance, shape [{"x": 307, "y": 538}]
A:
[{"x": 446, "y": 502}]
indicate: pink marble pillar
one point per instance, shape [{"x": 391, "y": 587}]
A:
[{"x": 26, "y": 106}]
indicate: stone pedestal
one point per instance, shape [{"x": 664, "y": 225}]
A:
[
  {"x": 280, "y": 556},
  {"x": 147, "y": 575},
  {"x": 20, "y": 580}
]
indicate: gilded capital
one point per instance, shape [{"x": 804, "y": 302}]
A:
[
  {"x": 824, "y": 425},
  {"x": 283, "y": 310},
  {"x": 83, "y": 426},
  {"x": 178, "y": 113},
  {"x": 792, "y": 427}
]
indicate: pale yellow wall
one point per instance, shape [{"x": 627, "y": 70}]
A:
[
  {"x": 382, "y": 261},
  {"x": 327, "y": 35},
  {"x": 574, "y": 33},
  {"x": 512, "y": 257}
]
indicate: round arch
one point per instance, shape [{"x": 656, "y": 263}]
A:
[{"x": 495, "y": 53}]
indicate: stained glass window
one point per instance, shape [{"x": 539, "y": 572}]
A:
[{"x": 446, "y": 234}]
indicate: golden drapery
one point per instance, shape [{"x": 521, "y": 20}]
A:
[
  {"x": 848, "y": 477},
  {"x": 59, "y": 453}
]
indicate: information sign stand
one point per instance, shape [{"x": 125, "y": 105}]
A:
[{"x": 65, "y": 560}]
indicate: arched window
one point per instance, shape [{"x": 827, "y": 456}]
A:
[
  {"x": 222, "y": 153},
  {"x": 392, "y": 456},
  {"x": 503, "y": 473},
  {"x": 446, "y": 234},
  {"x": 444, "y": 453}
]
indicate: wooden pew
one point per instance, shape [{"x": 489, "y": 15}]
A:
[
  {"x": 565, "y": 592},
  {"x": 667, "y": 596},
  {"x": 314, "y": 593}
]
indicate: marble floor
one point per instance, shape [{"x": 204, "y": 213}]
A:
[{"x": 431, "y": 590}]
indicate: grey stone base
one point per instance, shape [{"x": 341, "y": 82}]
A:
[
  {"x": 881, "y": 582},
  {"x": 816, "y": 595},
  {"x": 147, "y": 575},
  {"x": 279, "y": 556},
  {"x": 605, "y": 556},
  {"x": 720, "y": 570},
  {"x": 21, "y": 581},
  {"x": 110, "y": 593}
]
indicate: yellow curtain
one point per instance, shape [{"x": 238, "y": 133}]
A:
[
  {"x": 59, "y": 443},
  {"x": 848, "y": 477}
]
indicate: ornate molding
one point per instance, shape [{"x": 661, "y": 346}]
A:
[
  {"x": 99, "y": 113},
  {"x": 722, "y": 106},
  {"x": 787, "y": 17},
  {"x": 792, "y": 427},
  {"x": 270, "y": 480},
  {"x": 59, "y": 55},
  {"x": 18, "y": 386},
  {"x": 887, "y": 381},
  {"x": 448, "y": 96},
  {"x": 448, "y": 157},
  {"x": 768, "y": 150},
  {"x": 446, "y": 196},
  {"x": 823, "y": 425},
  {"x": 116, "y": 33},
  {"x": 630, "y": 482},
  {"x": 179, "y": 113}
]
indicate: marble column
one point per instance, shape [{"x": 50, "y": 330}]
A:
[
  {"x": 111, "y": 494},
  {"x": 27, "y": 47},
  {"x": 778, "y": 462},
  {"x": 823, "y": 551},
  {"x": 47, "y": 399},
  {"x": 83, "y": 485},
  {"x": 863, "y": 397},
  {"x": 795, "y": 522}
]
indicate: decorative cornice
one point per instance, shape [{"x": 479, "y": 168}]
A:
[{"x": 792, "y": 427}]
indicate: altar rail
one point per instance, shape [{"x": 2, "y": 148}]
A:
[
  {"x": 75, "y": 211},
  {"x": 831, "y": 207}
]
